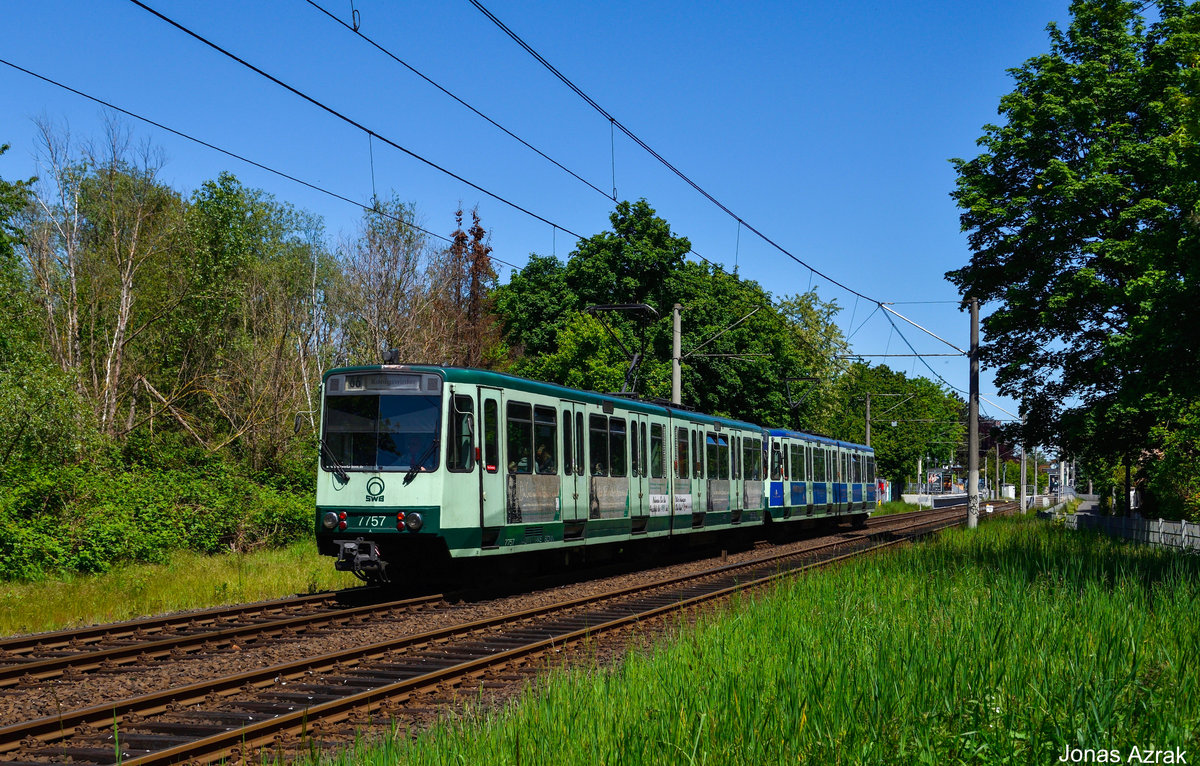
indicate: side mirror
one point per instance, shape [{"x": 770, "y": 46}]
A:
[{"x": 296, "y": 424}]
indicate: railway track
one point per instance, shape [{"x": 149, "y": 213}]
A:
[
  {"x": 319, "y": 696},
  {"x": 32, "y": 659},
  {"x": 109, "y": 648}
]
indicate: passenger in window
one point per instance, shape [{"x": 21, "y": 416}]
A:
[
  {"x": 414, "y": 448},
  {"x": 545, "y": 460}
]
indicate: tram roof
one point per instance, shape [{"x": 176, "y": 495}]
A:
[
  {"x": 512, "y": 382},
  {"x": 819, "y": 439}
]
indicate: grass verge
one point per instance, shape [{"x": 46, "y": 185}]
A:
[
  {"x": 1008, "y": 644},
  {"x": 187, "y": 581},
  {"x": 893, "y": 507}
]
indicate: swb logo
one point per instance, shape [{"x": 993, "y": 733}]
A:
[{"x": 375, "y": 490}]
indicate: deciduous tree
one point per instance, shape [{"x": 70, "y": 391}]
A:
[{"x": 1082, "y": 213}]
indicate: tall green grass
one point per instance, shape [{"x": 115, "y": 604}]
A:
[
  {"x": 1002, "y": 645},
  {"x": 895, "y": 506},
  {"x": 187, "y": 581}
]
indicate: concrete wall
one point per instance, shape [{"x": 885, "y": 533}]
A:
[{"x": 1174, "y": 534}]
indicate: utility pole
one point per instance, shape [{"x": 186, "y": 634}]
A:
[
  {"x": 1036, "y": 475},
  {"x": 868, "y": 419},
  {"x": 1128, "y": 502},
  {"x": 996, "y": 486},
  {"x": 1024, "y": 454},
  {"x": 676, "y": 351},
  {"x": 1062, "y": 477},
  {"x": 973, "y": 424}
]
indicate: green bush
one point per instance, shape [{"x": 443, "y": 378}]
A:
[
  {"x": 1175, "y": 471},
  {"x": 88, "y": 518}
]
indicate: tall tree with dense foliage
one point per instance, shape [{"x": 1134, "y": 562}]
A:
[
  {"x": 739, "y": 345},
  {"x": 1083, "y": 214}
]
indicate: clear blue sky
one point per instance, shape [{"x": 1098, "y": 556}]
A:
[{"x": 827, "y": 126}]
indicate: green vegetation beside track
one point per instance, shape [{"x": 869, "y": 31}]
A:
[
  {"x": 187, "y": 580},
  {"x": 895, "y": 506},
  {"x": 1003, "y": 645}
]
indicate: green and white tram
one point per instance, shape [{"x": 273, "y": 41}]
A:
[{"x": 422, "y": 465}]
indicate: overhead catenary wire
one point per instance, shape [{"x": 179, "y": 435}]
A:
[
  {"x": 355, "y": 30},
  {"x": 920, "y": 357},
  {"x": 234, "y": 155},
  {"x": 375, "y": 134},
  {"x": 650, "y": 150},
  {"x": 614, "y": 122},
  {"x": 348, "y": 120}
]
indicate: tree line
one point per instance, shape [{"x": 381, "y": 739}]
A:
[{"x": 155, "y": 346}]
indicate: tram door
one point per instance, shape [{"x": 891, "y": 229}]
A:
[
  {"x": 639, "y": 500},
  {"x": 492, "y": 476},
  {"x": 575, "y": 475},
  {"x": 699, "y": 485}
]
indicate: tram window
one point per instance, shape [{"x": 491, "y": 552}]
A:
[
  {"x": 776, "y": 462},
  {"x": 581, "y": 466},
  {"x": 697, "y": 457},
  {"x": 870, "y": 470},
  {"x": 460, "y": 435},
  {"x": 723, "y": 457},
  {"x": 519, "y": 428},
  {"x": 736, "y": 456},
  {"x": 568, "y": 452},
  {"x": 598, "y": 444},
  {"x": 710, "y": 450},
  {"x": 635, "y": 458},
  {"x": 544, "y": 425},
  {"x": 798, "y": 472},
  {"x": 491, "y": 435},
  {"x": 819, "y": 464},
  {"x": 656, "y": 450},
  {"x": 752, "y": 456},
  {"x": 681, "y": 453},
  {"x": 616, "y": 446},
  {"x": 633, "y": 449},
  {"x": 643, "y": 461}
]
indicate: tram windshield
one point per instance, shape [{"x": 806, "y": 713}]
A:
[{"x": 382, "y": 430}]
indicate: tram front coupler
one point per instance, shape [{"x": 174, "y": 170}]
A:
[{"x": 361, "y": 557}]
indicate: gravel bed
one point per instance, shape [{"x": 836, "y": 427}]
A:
[{"x": 77, "y": 690}]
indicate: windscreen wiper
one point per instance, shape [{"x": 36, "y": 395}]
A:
[
  {"x": 416, "y": 466},
  {"x": 338, "y": 470}
]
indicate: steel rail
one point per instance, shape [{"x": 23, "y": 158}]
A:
[
  {"x": 40, "y": 670},
  {"x": 262, "y": 733},
  {"x": 64, "y": 637},
  {"x": 56, "y": 727},
  {"x": 25, "y": 670}
]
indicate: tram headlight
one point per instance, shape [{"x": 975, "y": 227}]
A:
[
  {"x": 329, "y": 520},
  {"x": 414, "y": 522}
]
